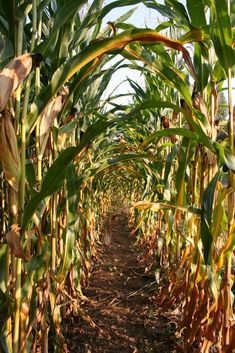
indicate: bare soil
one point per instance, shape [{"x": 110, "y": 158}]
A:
[{"x": 121, "y": 301}]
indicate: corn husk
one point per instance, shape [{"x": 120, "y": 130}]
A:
[
  {"x": 12, "y": 75},
  {"x": 9, "y": 153}
]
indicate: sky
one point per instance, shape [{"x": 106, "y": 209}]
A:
[{"x": 142, "y": 18}]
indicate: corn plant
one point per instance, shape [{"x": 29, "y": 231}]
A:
[
  {"x": 56, "y": 143},
  {"x": 195, "y": 220}
]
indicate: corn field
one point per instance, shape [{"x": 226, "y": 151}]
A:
[{"x": 68, "y": 154}]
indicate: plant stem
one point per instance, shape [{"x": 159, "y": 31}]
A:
[
  {"x": 53, "y": 231},
  {"x": 227, "y": 295},
  {"x": 228, "y": 304},
  {"x": 17, "y": 307},
  {"x": 19, "y": 49},
  {"x": 37, "y": 90}
]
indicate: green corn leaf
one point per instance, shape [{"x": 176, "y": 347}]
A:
[
  {"x": 64, "y": 15},
  {"x": 170, "y": 132},
  {"x": 206, "y": 217},
  {"x": 99, "y": 48},
  {"x": 110, "y": 162},
  {"x": 169, "y": 159},
  {"x": 30, "y": 174},
  {"x": 84, "y": 79},
  {"x": 165, "y": 11},
  {"x": 179, "y": 10},
  {"x": 9, "y": 9},
  {"x": 202, "y": 68},
  {"x": 183, "y": 155},
  {"x": 197, "y": 12},
  {"x": 225, "y": 156},
  {"x": 35, "y": 264},
  {"x": 221, "y": 34},
  {"x": 218, "y": 73},
  {"x": 229, "y": 159},
  {"x": 164, "y": 25},
  {"x": 95, "y": 16},
  {"x": 71, "y": 218},
  {"x": 197, "y": 132},
  {"x": 58, "y": 171},
  {"x": 167, "y": 71}
]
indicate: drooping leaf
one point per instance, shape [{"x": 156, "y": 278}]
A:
[
  {"x": 146, "y": 205},
  {"x": 114, "y": 44}
]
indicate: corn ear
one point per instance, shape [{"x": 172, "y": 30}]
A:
[
  {"x": 9, "y": 154},
  {"x": 12, "y": 75}
]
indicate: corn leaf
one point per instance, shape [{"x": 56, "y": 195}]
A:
[
  {"x": 58, "y": 171},
  {"x": 183, "y": 155},
  {"x": 110, "y": 162},
  {"x": 221, "y": 33},
  {"x": 202, "y": 68},
  {"x": 206, "y": 217},
  {"x": 197, "y": 12},
  {"x": 114, "y": 44},
  {"x": 71, "y": 218},
  {"x": 64, "y": 15}
]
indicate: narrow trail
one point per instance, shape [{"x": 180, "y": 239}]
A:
[{"x": 121, "y": 302}]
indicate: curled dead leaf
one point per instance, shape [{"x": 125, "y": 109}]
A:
[
  {"x": 9, "y": 153},
  {"x": 199, "y": 104},
  {"x": 165, "y": 122},
  {"x": 13, "y": 240},
  {"x": 48, "y": 117},
  {"x": 12, "y": 75}
]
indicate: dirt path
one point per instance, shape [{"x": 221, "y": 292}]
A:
[{"x": 121, "y": 302}]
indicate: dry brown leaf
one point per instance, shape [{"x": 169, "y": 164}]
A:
[
  {"x": 199, "y": 104},
  {"x": 12, "y": 75},
  {"x": 47, "y": 119},
  {"x": 29, "y": 234},
  {"x": 9, "y": 151},
  {"x": 13, "y": 240}
]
